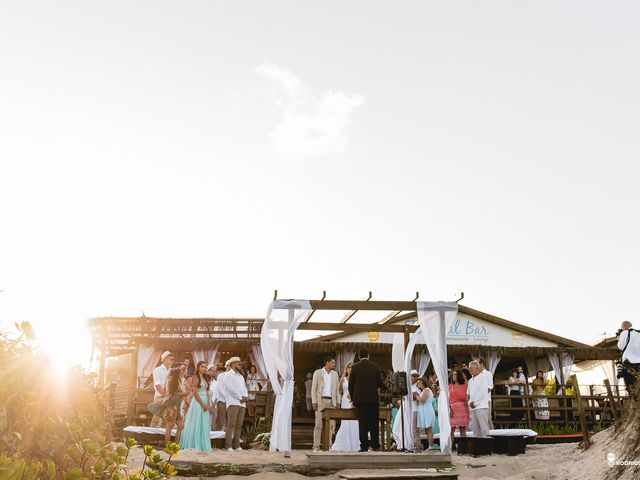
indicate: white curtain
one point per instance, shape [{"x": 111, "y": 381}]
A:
[
  {"x": 208, "y": 355},
  {"x": 435, "y": 318},
  {"x": 276, "y": 341},
  {"x": 536, "y": 364},
  {"x": 148, "y": 356},
  {"x": 259, "y": 358},
  {"x": 423, "y": 362},
  {"x": 610, "y": 372},
  {"x": 397, "y": 352},
  {"x": 561, "y": 363},
  {"x": 343, "y": 358},
  {"x": 493, "y": 360},
  {"x": 407, "y": 403}
]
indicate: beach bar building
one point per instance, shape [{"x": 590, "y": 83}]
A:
[{"x": 128, "y": 348}]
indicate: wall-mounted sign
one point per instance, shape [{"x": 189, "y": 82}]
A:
[
  {"x": 467, "y": 331},
  {"x": 516, "y": 339},
  {"x": 373, "y": 336}
]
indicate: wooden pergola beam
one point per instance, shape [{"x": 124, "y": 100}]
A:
[
  {"x": 362, "y": 305},
  {"x": 348, "y": 316}
]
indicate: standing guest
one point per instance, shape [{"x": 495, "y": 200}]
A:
[
  {"x": 514, "y": 391},
  {"x": 244, "y": 370},
  {"x": 426, "y": 414},
  {"x": 221, "y": 407},
  {"x": 197, "y": 425},
  {"x": 185, "y": 386},
  {"x": 459, "y": 417},
  {"x": 171, "y": 409},
  {"x": 365, "y": 383},
  {"x": 307, "y": 392},
  {"x": 485, "y": 371},
  {"x": 213, "y": 392},
  {"x": 478, "y": 401},
  {"x": 348, "y": 437},
  {"x": 253, "y": 386},
  {"x": 236, "y": 397},
  {"x": 160, "y": 374},
  {"x": 540, "y": 402},
  {"x": 191, "y": 370},
  {"x": 435, "y": 388},
  {"x": 324, "y": 394},
  {"x": 415, "y": 393},
  {"x": 466, "y": 373},
  {"x": 463, "y": 366}
]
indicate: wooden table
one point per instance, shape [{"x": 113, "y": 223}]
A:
[{"x": 329, "y": 414}]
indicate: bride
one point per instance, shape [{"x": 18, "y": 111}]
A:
[{"x": 348, "y": 436}]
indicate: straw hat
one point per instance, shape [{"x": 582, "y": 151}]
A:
[
  {"x": 165, "y": 355},
  {"x": 233, "y": 360}
]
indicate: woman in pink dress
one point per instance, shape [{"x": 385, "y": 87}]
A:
[{"x": 459, "y": 416}]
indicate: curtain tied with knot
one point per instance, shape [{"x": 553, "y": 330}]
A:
[
  {"x": 276, "y": 342},
  {"x": 434, "y": 319}
]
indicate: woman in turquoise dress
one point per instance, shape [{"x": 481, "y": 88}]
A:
[
  {"x": 196, "y": 433},
  {"x": 426, "y": 413}
]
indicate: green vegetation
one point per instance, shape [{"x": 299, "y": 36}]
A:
[{"x": 56, "y": 427}]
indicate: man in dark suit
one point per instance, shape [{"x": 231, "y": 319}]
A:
[{"x": 365, "y": 382}]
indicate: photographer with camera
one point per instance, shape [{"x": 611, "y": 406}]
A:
[{"x": 629, "y": 344}]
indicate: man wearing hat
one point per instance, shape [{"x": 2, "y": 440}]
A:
[
  {"x": 236, "y": 397},
  {"x": 160, "y": 374},
  {"x": 221, "y": 406}
]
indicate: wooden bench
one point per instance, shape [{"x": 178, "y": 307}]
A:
[
  {"x": 475, "y": 446},
  {"x": 509, "y": 444}
]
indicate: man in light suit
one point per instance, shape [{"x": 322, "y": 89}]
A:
[{"x": 324, "y": 394}]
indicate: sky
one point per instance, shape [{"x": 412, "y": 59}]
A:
[{"x": 189, "y": 158}]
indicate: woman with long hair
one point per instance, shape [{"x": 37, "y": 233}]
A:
[
  {"x": 540, "y": 402},
  {"x": 426, "y": 413},
  {"x": 459, "y": 416},
  {"x": 197, "y": 425},
  {"x": 348, "y": 436},
  {"x": 171, "y": 411}
]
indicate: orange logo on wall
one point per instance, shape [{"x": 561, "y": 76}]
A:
[{"x": 373, "y": 336}]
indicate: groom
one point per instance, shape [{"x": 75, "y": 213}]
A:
[{"x": 365, "y": 382}]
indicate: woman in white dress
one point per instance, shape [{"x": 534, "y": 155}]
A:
[{"x": 348, "y": 436}]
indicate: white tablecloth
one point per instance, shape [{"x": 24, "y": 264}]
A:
[
  {"x": 496, "y": 433},
  {"x": 160, "y": 431}
]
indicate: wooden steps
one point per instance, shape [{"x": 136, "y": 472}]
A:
[
  {"x": 409, "y": 474},
  {"x": 377, "y": 460}
]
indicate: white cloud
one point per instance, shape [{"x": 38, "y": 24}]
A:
[{"x": 310, "y": 124}]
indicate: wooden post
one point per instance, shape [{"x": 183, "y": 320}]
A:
[
  {"x": 133, "y": 386},
  {"x": 614, "y": 407},
  {"x": 583, "y": 420},
  {"x": 527, "y": 402}
]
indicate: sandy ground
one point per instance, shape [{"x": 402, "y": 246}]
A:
[{"x": 558, "y": 462}]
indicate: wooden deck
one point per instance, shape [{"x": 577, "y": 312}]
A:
[{"x": 375, "y": 460}]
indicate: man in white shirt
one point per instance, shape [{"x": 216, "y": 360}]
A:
[
  {"x": 487, "y": 372},
  {"x": 629, "y": 344},
  {"x": 221, "y": 407},
  {"x": 415, "y": 393},
  {"x": 160, "y": 374},
  {"x": 324, "y": 394},
  {"x": 236, "y": 397},
  {"x": 213, "y": 392},
  {"x": 478, "y": 398}
]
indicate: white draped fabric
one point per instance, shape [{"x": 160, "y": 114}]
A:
[
  {"x": 207, "y": 355},
  {"x": 343, "y": 358},
  {"x": 148, "y": 356},
  {"x": 276, "y": 341},
  {"x": 407, "y": 404},
  {"x": 434, "y": 319},
  {"x": 397, "y": 352},
  {"x": 259, "y": 361},
  {"x": 561, "y": 363},
  {"x": 493, "y": 359},
  {"x": 423, "y": 362},
  {"x": 610, "y": 372}
]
